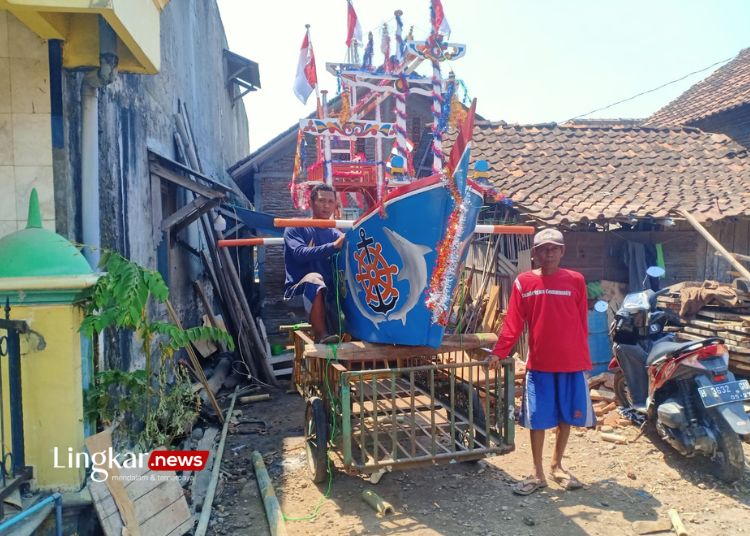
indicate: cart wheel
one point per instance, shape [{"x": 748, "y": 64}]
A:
[
  {"x": 316, "y": 439},
  {"x": 462, "y": 436}
]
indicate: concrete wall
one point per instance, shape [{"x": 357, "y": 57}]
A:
[
  {"x": 25, "y": 134},
  {"x": 137, "y": 113}
]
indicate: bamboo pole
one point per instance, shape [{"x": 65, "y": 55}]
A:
[
  {"x": 677, "y": 525},
  {"x": 715, "y": 243},
  {"x": 215, "y": 472},
  {"x": 270, "y": 502},
  {"x": 381, "y": 506},
  {"x": 348, "y": 224}
]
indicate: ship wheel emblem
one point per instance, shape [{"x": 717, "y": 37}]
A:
[{"x": 375, "y": 275}]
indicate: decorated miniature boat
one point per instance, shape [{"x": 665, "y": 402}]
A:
[
  {"x": 398, "y": 268},
  {"x": 400, "y": 263}
]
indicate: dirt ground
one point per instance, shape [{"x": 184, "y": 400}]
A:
[{"x": 624, "y": 483}]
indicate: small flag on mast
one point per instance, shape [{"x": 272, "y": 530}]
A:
[
  {"x": 439, "y": 22},
  {"x": 307, "y": 76},
  {"x": 353, "y": 28}
]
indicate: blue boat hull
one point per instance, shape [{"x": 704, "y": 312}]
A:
[{"x": 387, "y": 264}]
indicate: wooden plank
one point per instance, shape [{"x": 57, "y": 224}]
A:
[
  {"x": 166, "y": 520},
  {"x": 723, "y": 315},
  {"x": 701, "y": 332},
  {"x": 150, "y": 494},
  {"x": 158, "y": 501},
  {"x": 188, "y": 214},
  {"x": 153, "y": 155},
  {"x": 701, "y": 255},
  {"x": 715, "y": 244},
  {"x": 490, "y": 313},
  {"x": 735, "y": 351},
  {"x": 113, "y": 487},
  {"x": 171, "y": 176}
]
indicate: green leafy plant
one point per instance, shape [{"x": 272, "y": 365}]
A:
[{"x": 152, "y": 409}]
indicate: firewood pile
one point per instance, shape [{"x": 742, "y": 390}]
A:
[
  {"x": 728, "y": 319},
  {"x": 601, "y": 389}
]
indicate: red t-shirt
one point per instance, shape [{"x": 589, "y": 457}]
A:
[{"x": 556, "y": 311}]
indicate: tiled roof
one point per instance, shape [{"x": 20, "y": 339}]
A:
[
  {"x": 568, "y": 173},
  {"x": 728, "y": 87}
]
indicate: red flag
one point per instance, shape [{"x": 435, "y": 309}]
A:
[
  {"x": 439, "y": 22},
  {"x": 307, "y": 76},
  {"x": 353, "y": 29},
  {"x": 463, "y": 139}
]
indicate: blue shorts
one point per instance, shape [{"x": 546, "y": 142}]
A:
[{"x": 550, "y": 398}]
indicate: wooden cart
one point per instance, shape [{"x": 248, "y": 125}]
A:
[{"x": 383, "y": 407}]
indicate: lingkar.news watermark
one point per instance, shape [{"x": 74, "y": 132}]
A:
[{"x": 102, "y": 464}]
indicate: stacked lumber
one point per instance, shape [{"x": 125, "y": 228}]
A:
[
  {"x": 730, "y": 323},
  {"x": 219, "y": 267},
  {"x": 480, "y": 314}
]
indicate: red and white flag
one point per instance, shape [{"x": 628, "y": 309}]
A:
[
  {"x": 439, "y": 22},
  {"x": 353, "y": 29},
  {"x": 307, "y": 76}
]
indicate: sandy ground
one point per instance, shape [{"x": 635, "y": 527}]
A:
[{"x": 624, "y": 483}]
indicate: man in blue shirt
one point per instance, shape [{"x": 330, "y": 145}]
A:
[{"x": 308, "y": 253}]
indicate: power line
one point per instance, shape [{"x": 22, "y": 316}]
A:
[{"x": 650, "y": 90}]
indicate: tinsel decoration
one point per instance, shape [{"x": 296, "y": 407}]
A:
[
  {"x": 345, "y": 110},
  {"x": 401, "y": 137},
  {"x": 298, "y": 200},
  {"x": 465, "y": 92},
  {"x": 458, "y": 112},
  {"x": 448, "y": 256},
  {"x": 385, "y": 48},
  {"x": 446, "y": 104},
  {"x": 437, "y": 111},
  {"x": 400, "y": 46}
]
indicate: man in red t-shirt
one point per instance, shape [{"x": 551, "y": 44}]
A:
[{"x": 552, "y": 302}]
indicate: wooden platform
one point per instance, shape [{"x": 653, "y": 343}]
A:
[{"x": 158, "y": 500}]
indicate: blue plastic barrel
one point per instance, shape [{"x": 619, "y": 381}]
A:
[{"x": 600, "y": 348}]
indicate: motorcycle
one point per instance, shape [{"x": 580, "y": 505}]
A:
[{"x": 685, "y": 388}]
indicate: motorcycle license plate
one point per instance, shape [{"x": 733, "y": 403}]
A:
[{"x": 715, "y": 395}]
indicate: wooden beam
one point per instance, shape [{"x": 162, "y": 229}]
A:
[
  {"x": 171, "y": 176},
  {"x": 738, "y": 256},
  {"x": 365, "y": 351},
  {"x": 715, "y": 243},
  {"x": 188, "y": 214},
  {"x": 189, "y": 170}
]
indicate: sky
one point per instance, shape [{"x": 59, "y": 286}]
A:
[{"x": 527, "y": 61}]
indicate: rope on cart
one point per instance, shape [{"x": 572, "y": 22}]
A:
[{"x": 332, "y": 351}]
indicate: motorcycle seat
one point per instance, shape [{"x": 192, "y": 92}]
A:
[{"x": 660, "y": 349}]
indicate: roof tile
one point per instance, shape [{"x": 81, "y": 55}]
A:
[
  {"x": 569, "y": 173},
  {"x": 728, "y": 87}
]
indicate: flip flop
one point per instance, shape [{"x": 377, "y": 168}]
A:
[
  {"x": 567, "y": 481},
  {"x": 529, "y": 485}
]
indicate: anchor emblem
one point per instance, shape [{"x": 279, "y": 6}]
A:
[{"x": 375, "y": 275}]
